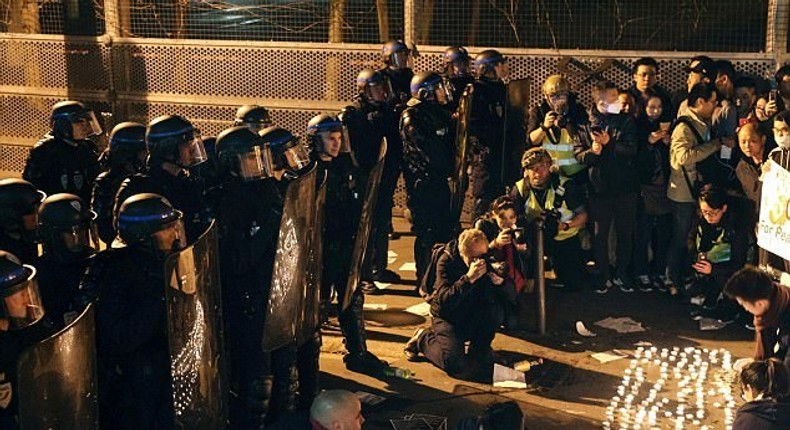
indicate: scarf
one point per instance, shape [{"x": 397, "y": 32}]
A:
[{"x": 780, "y": 302}]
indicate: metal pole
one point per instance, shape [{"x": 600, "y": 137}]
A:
[{"x": 541, "y": 280}]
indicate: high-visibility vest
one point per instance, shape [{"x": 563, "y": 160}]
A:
[
  {"x": 561, "y": 151},
  {"x": 532, "y": 208}
]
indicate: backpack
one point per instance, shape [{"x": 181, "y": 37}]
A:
[{"x": 429, "y": 277}]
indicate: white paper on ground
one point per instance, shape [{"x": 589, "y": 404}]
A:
[
  {"x": 422, "y": 309},
  {"x": 375, "y": 306},
  {"x": 381, "y": 285},
  {"x": 582, "y": 330},
  {"x": 506, "y": 377},
  {"x": 706, "y": 324},
  {"x": 643, "y": 343},
  {"x": 436, "y": 422},
  {"x": 369, "y": 398},
  {"x": 621, "y": 325},
  {"x": 408, "y": 267},
  {"x": 607, "y": 356}
]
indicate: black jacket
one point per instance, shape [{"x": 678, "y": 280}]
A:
[
  {"x": 55, "y": 166},
  {"x": 103, "y": 201},
  {"x": 613, "y": 172},
  {"x": 455, "y": 299},
  {"x": 767, "y": 414},
  {"x": 576, "y": 116}
]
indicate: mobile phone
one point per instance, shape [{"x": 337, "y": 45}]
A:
[
  {"x": 702, "y": 256},
  {"x": 772, "y": 95}
]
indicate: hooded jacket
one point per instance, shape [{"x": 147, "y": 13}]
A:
[{"x": 765, "y": 414}]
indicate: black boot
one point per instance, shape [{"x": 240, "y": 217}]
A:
[
  {"x": 256, "y": 403},
  {"x": 352, "y": 324},
  {"x": 286, "y": 383},
  {"x": 307, "y": 363}
]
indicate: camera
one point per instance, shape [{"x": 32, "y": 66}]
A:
[
  {"x": 494, "y": 265},
  {"x": 551, "y": 222},
  {"x": 562, "y": 121},
  {"x": 518, "y": 234}
]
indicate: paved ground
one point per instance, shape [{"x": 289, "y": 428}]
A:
[{"x": 570, "y": 391}]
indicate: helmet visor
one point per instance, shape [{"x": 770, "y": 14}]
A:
[
  {"x": 335, "y": 141},
  {"x": 379, "y": 92},
  {"x": 255, "y": 164},
  {"x": 401, "y": 59},
  {"x": 297, "y": 157},
  {"x": 255, "y": 126},
  {"x": 22, "y": 307},
  {"x": 77, "y": 239},
  {"x": 171, "y": 237},
  {"x": 443, "y": 94},
  {"x": 84, "y": 125},
  {"x": 192, "y": 152}
]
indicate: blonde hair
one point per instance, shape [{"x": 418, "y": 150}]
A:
[{"x": 468, "y": 238}]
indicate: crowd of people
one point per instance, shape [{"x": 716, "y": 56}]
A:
[{"x": 672, "y": 182}]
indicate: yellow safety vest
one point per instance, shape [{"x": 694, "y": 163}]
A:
[
  {"x": 532, "y": 208},
  {"x": 562, "y": 152}
]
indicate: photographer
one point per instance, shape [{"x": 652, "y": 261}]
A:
[
  {"x": 466, "y": 306},
  {"x": 554, "y": 124},
  {"x": 509, "y": 256},
  {"x": 545, "y": 199}
]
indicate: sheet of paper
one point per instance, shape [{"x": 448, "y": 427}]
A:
[
  {"x": 369, "y": 398},
  {"x": 375, "y": 306},
  {"x": 408, "y": 267},
  {"x": 621, "y": 325},
  {"x": 422, "y": 309},
  {"x": 506, "y": 377},
  {"x": 608, "y": 356}
]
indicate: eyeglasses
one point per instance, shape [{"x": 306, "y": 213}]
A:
[{"x": 711, "y": 213}]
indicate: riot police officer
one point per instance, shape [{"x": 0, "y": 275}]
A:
[
  {"x": 249, "y": 215},
  {"x": 174, "y": 146},
  {"x": 132, "y": 315},
  {"x": 19, "y": 201},
  {"x": 22, "y": 324},
  {"x": 254, "y": 117},
  {"x": 369, "y": 120},
  {"x": 457, "y": 71},
  {"x": 428, "y": 152},
  {"x": 494, "y": 157},
  {"x": 396, "y": 57},
  {"x": 126, "y": 156},
  {"x": 64, "y": 224},
  {"x": 65, "y": 160},
  {"x": 345, "y": 191}
]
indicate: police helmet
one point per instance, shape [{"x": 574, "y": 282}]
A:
[
  {"x": 64, "y": 223},
  {"x": 150, "y": 222},
  {"x": 367, "y": 79},
  {"x": 318, "y": 134},
  {"x": 429, "y": 86},
  {"x": 486, "y": 61},
  {"x": 19, "y": 201},
  {"x": 71, "y": 120},
  {"x": 395, "y": 54},
  {"x": 127, "y": 146},
  {"x": 241, "y": 153},
  {"x": 255, "y": 117},
  {"x": 288, "y": 153},
  {"x": 20, "y": 301},
  {"x": 456, "y": 61},
  {"x": 174, "y": 139}
]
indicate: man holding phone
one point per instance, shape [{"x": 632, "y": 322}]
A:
[{"x": 609, "y": 150}]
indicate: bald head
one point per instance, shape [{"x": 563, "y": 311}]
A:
[{"x": 337, "y": 410}]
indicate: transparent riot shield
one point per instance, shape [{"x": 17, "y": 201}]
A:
[
  {"x": 57, "y": 381},
  {"x": 311, "y": 310},
  {"x": 365, "y": 223},
  {"x": 291, "y": 262},
  {"x": 459, "y": 182},
  {"x": 195, "y": 336}
]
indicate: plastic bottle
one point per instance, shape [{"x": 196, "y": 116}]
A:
[{"x": 399, "y": 372}]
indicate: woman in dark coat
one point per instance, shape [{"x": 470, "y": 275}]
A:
[{"x": 765, "y": 388}]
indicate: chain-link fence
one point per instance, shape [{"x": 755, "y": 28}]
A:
[
  {"x": 355, "y": 21},
  {"x": 669, "y": 25},
  {"x": 72, "y": 17}
]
